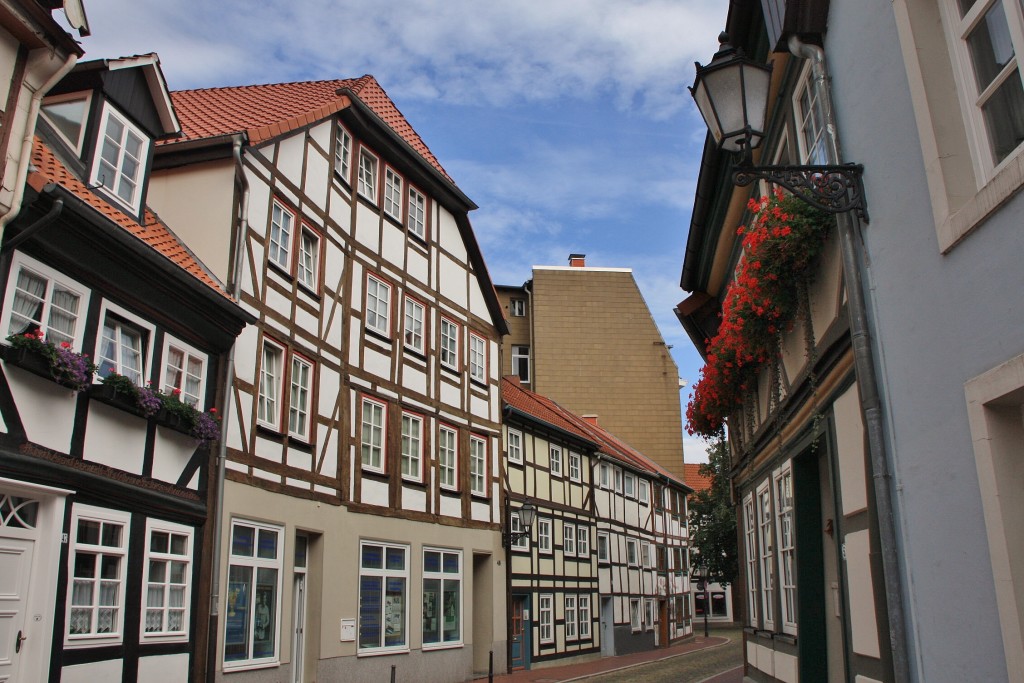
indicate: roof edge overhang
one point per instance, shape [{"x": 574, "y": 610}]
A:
[
  {"x": 586, "y": 444},
  {"x": 35, "y": 27}
]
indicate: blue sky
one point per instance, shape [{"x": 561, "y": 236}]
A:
[{"x": 567, "y": 121}]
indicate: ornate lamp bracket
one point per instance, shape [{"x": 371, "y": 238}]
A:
[{"x": 834, "y": 189}]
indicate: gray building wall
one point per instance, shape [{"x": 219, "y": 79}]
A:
[{"x": 939, "y": 320}]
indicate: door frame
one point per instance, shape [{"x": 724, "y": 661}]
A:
[{"x": 526, "y": 646}]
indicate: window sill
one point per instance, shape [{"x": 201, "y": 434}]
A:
[
  {"x": 454, "y": 372},
  {"x": 92, "y": 640},
  {"x": 478, "y": 384},
  {"x": 417, "y": 240},
  {"x": 450, "y": 491},
  {"x": 276, "y": 267},
  {"x": 418, "y": 354},
  {"x": 443, "y": 646},
  {"x": 383, "y": 651},
  {"x": 160, "y": 638},
  {"x": 954, "y": 227},
  {"x": 410, "y": 481},
  {"x": 377, "y": 335},
  {"x": 246, "y": 666},
  {"x": 311, "y": 292}
]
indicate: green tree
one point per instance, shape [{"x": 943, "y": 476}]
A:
[{"x": 713, "y": 519}]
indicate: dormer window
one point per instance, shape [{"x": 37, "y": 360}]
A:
[
  {"x": 67, "y": 114},
  {"x": 117, "y": 169}
]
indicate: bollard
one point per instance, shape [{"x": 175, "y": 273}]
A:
[
  {"x": 392, "y": 673},
  {"x": 490, "y": 668}
]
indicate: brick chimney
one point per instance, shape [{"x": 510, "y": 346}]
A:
[
  {"x": 577, "y": 260},
  {"x": 591, "y": 419}
]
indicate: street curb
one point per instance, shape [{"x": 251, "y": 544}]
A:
[{"x": 650, "y": 661}]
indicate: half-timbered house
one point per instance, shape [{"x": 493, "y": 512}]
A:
[
  {"x": 103, "y": 491},
  {"x": 603, "y": 570},
  {"x": 362, "y": 524}
]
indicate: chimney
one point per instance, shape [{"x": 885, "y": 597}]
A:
[
  {"x": 577, "y": 260},
  {"x": 591, "y": 419}
]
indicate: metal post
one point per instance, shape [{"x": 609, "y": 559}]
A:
[
  {"x": 392, "y": 673},
  {"x": 707, "y": 606},
  {"x": 490, "y": 668}
]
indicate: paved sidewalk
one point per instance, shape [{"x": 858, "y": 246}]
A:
[{"x": 603, "y": 665}]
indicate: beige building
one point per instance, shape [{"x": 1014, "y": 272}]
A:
[{"x": 567, "y": 325}]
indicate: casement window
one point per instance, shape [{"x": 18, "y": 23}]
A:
[
  {"x": 632, "y": 552},
  {"x": 67, "y": 114},
  {"x": 584, "y": 611},
  {"x": 750, "y": 542},
  {"x": 307, "y": 270},
  {"x": 605, "y": 475},
  {"x": 448, "y": 457},
  {"x": 517, "y": 307},
  {"x": 268, "y": 404},
  {"x": 545, "y": 606},
  {"x": 96, "y": 576},
  {"x": 544, "y": 535},
  {"x": 299, "y": 397},
  {"x": 787, "y": 549},
  {"x": 603, "y": 551},
  {"x": 167, "y": 581},
  {"x": 252, "y": 622},
  {"x": 393, "y": 194},
  {"x": 383, "y": 597},
  {"x": 645, "y": 491},
  {"x": 477, "y": 466},
  {"x": 618, "y": 480},
  {"x": 118, "y": 167},
  {"x": 378, "y": 306},
  {"x": 516, "y": 526},
  {"x": 449, "y": 344},
  {"x": 629, "y": 487},
  {"x": 367, "y": 186},
  {"x": 767, "y": 556},
  {"x": 810, "y": 122},
  {"x": 521, "y": 362},
  {"x": 583, "y": 541},
  {"x": 575, "y": 470},
  {"x": 636, "y": 621},
  {"x": 514, "y": 445},
  {"x": 413, "y": 328},
  {"x": 570, "y": 617},
  {"x": 568, "y": 538},
  {"x": 477, "y": 358},
  {"x": 123, "y": 348},
  {"x": 645, "y": 554},
  {"x": 373, "y": 419},
  {"x": 412, "y": 447},
  {"x": 442, "y": 597},
  {"x": 416, "y": 218},
  {"x": 986, "y": 37},
  {"x": 184, "y": 372},
  {"x": 282, "y": 225},
  {"x": 556, "y": 460},
  {"x": 343, "y": 154},
  {"x": 650, "y": 613},
  {"x": 40, "y": 299}
]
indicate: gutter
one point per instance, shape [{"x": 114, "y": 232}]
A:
[{"x": 849, "y": 229}]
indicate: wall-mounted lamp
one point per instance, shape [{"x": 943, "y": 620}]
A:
[{"x": 527, "y": 514}]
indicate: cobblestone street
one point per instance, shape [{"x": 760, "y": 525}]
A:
[{"x": 692, "y": 667}]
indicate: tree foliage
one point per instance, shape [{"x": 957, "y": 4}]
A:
[{"x": 713, "y": 519}]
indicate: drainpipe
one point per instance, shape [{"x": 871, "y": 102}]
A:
[
  {"x": 43, "y": 221},
  {"x": 26, "y": 143},
  {"x": 849, "y": 229},
  {"x": 235, "y": 287}
]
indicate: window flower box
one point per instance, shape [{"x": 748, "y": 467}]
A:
[
  {"x": 60, "y": 364},
  {"x": 116, "y": 397},
  {"x": 173, "y": 420}
]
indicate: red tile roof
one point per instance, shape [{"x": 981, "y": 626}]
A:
[
  {"x": 543, "y": 408},
  {"x": 267, "y": 111},
  {"x": 693, "y": 477},
  {"x": 151, "y": 231}
]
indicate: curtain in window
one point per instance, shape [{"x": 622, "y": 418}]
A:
[
  {"x": 63, "y": 315},
  {"x": 27, "y": 313}
]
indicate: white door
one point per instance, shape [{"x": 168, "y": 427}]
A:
[
  {"x": 15, "y": 636},
  {"x": 299, "y": 623}
]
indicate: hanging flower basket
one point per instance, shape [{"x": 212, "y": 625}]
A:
[{"x": 780, "y": 248}]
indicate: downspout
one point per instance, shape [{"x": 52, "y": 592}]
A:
[
  {"x": 235, "y": 287},
  {"x": 26, "y": 143},
  {"x": 849, "y": 229}
]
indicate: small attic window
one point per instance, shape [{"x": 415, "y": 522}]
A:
[
  {"x": 117, "y": 169},
  {"x": 68, "y": 113}
]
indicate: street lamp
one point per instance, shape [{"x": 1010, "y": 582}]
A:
[
  {"x": 527, "y": 513},
  {"x": 700, "y": 575},
  {"x": 731, "y": 93}
]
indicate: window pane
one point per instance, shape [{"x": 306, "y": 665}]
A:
[
  {"x": 990, "y": 45},
  {"x": 237, "y": 619},
  {"x": 431, "y": 610},
  {"x": 370, "y": 609},
  {"x": 395, "y": 558},
  {"x": 373, "y": 557},
  {"x": 265, "y": 618},
  {"x": 267, "y": 548},
  {"x": 243, "y": 541},
  {"x": 452, "y": 616},
  {"x": 394, "y": 612},
  {"x": 1004, "y": 117}
]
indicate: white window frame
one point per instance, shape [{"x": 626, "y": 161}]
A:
[
  {"x": 151, "y": 557},
  {"x": 650, "y": 614},
  {"x": 443, "y": 576},
  {"x": 269, "y": 407},
  {"x": 521, "y": 542},
  {"x": 188, "y": 353},
  {"x": 111, "y": 189},
  {"x": 808, "y": 125},
  {"x": 449, "y": 349},
  {"x": 636, "y": 617},
  {"x": 584, "y": 616},
  {"x": 448, "y": 457},
  {"x": 279, "y": 240},
  {"x": 102, "y": 516},
  {"x": 750, "y": 541},
  {"x": 300, "y": 397},
  {"x": 255, "y": 562},
  {"x": 392, "y": 194},
  {"x": 477, "y": 465},
  {"x": 375, "y": 427},
  {"x": 555, "y": 460},
  {"x": 605, "y": 474},
  {"x": 604, "y": 546},
  {"x": 54, "y": 279},
  {"x": 514, "y": 445},
  {"x": 307, "y": 268},
  {"x": 416, "y": 218},
  {"x": 632, "y": 552},
  {"x": 544, "y": 536},
  {"x": 343, "y": 154},
  {"x": 378, "y": 305},
  {"x": 568, "y": 538},
  {"x": 413, "y": 324},
  {"x": 629, "y": 485},
  {"x": 583, "y": 541},
  {"x": 477, "y": 358},
  {"x": 575, "y": 466},
  {"x": 369, "y": 165},
  {"x": 570, "y": 616},
  {"x": 618, "y": 480},
  {"x": 412, "y": 447},
  {"x": 146, "y": 331},
  {"x": 384, "y": 573},
  {"x": 785, "y": 533},
  {"x": 86, "y": 99},
  {"x": 517, "y": 308},
  {"x": 644, "y": 492},
  {"x": 546, "y": 610},
  {"x": 766, "y": 558},
  {"x": 645, "y": 554},
  {"x": 521, "y": 362}
]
